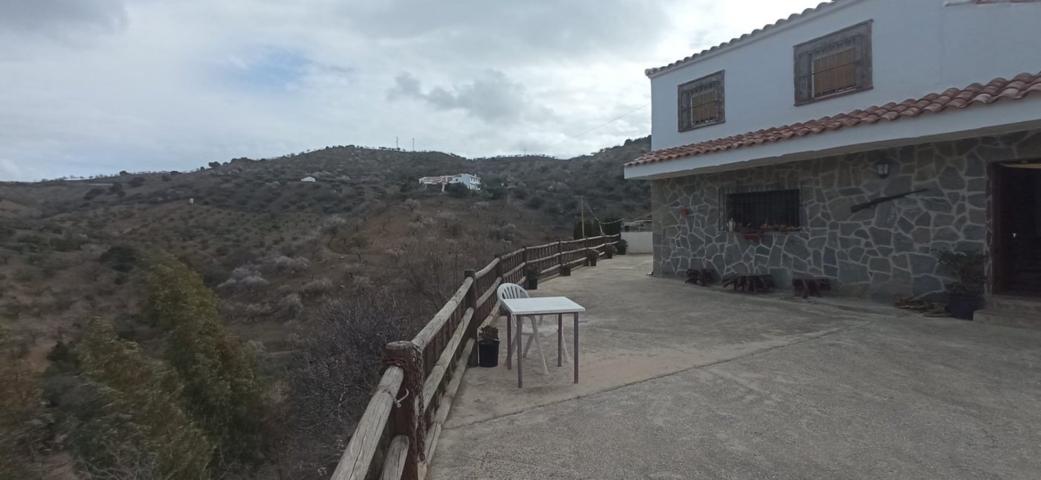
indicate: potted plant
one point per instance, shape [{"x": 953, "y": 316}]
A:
[
  {"x": 622, "y": 246},
  {"x": 609, "y": 252},
  {"x": 965, "y": 294},
  {"x": 531, "y": 277},
  {"x": 565, "y": 270},
  {"x": 591, "y": 257},
  {"x": 488, "y": 347}
]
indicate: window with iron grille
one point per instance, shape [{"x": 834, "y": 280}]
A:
[
  {"x": 771, "y": 210},
  {"x": 701, "y": 102},
  {"x": 836, "y": 64}
]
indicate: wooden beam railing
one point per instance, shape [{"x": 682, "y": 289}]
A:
[{"x": 399, "y": 429}]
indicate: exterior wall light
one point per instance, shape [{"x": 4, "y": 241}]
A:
[{"x": 882, "y": 168}]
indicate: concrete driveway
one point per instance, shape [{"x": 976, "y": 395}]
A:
[{"x": 685, "y": 382}]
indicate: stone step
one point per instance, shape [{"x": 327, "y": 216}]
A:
[
  {"x": 1006, "y": 303},
  {"x": 1007, "y": 318}
]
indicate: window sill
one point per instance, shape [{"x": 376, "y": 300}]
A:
[
  {"x": 799, "y": 103},
  {"x": 703, "y": 125}
]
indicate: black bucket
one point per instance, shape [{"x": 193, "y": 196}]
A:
[{"x": 488, "y": 353}]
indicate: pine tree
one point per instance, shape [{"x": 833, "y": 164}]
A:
[
  {"x": 135, "y": 427},
  {"x": 222, "y": 390}
]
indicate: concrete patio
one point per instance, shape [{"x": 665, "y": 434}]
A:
[{"x": 684, "y": 382}]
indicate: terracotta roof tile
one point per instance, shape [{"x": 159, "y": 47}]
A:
[
  {"x": 754, "y": 33},
  {"x": 1022, "y": 86}
]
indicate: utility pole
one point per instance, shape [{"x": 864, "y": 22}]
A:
[
  {"x": 396, "y": 145},
  {"x": 413, "y": 144}
]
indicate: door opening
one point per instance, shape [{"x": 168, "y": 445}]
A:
[{"x": 1017, "y": 228}]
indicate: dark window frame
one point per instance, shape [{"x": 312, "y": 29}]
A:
[
  {"x": 779, "y": 210},
  {"x": 684, "y": 108},
  {"x": 858, "y": 37}
]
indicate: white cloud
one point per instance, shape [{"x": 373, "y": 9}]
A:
[{"x": 98, "y": 86}]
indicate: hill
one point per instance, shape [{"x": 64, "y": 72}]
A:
[{"x": 363, "y": 246}]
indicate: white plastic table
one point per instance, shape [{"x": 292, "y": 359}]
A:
[{"x": 522, "y": 307}]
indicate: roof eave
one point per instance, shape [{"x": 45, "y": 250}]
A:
[
  {"x": 1015, "y": 116},
  {"x": 751, "y": 37}
]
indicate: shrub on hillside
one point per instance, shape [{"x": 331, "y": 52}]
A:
[
  {"x": 21, "y": 432},
  {"x": 333, "y": 375},
  {"x": 120, "y": 258},
  {"x": 245, "y": 277},
  {"x": 317, "y": 287},
  {"x": 283, "y": 263}
]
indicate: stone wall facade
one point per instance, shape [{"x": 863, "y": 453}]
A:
[{"x": 885, "y": 251}]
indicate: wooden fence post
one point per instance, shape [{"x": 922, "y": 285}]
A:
[
  {"x": 471, "y": 330},
  {"x": 560, "y": 253},
  {"x": 408, "y": 414}
]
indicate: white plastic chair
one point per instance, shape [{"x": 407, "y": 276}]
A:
[{"x": 512, "y": 290}]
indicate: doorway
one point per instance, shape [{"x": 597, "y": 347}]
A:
[{"x": 1017, "y": 228}]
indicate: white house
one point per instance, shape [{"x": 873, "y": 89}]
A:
[
  {"x": 775, "y": 152},
  {"x": 469, "y": 180}
]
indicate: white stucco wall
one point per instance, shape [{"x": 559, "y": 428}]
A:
[
  {"x": 919, "y": 46},
  {"x": 640, "y": 243}
]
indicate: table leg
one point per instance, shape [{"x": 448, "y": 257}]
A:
[
  {"x": 520, "y": 361},
  {"x": 574, "y": 353},
  {"x": 560, "y": 337},
  {"x": 509, "y": 341}
]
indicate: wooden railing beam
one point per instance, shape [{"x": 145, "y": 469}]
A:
[
  {"x": 408, "y": 413},
  {"x": 356, "y": 458}
]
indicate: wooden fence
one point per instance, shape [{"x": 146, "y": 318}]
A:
[{"x": 396, "y": 436}]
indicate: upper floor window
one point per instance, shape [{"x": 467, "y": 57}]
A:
[
  {"x": 835, "y": 64},
  {"x": 701, "y": 102}
]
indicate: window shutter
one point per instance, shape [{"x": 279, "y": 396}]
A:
[
  {"x": 803, "y": 77},
  {"x": 684, "y": 110},
  {"x": 862, "y": 44}
]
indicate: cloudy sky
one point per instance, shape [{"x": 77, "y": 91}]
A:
[{"x": 98, "y": 86}]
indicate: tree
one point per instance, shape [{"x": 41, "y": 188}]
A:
[
  {"x": 214, "y": 164},
  {"x": 133, "y": 425},
  {"x": 222, "y": 390},
  {"x": 457, "y": 190},
  {"x": 494, "y": 188}
]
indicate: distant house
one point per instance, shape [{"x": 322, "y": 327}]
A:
[
  {"x": 308, "y": 180},
  {"x": 469, "y": 180},
  {"x": 851, "y": 142}
]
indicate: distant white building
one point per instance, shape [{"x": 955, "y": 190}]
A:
[
  {"x": 469, "y": 180},
  {"x": 308, "y": 180}
]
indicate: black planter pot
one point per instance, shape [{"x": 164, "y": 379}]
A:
[
  {"x": 531, "y": 283},
  {"x": 963, "y": 306},
  {"x": 488, "y": 353},
  {"x": 622, "y": 248},
  {"x": 591, "y": 260}
]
